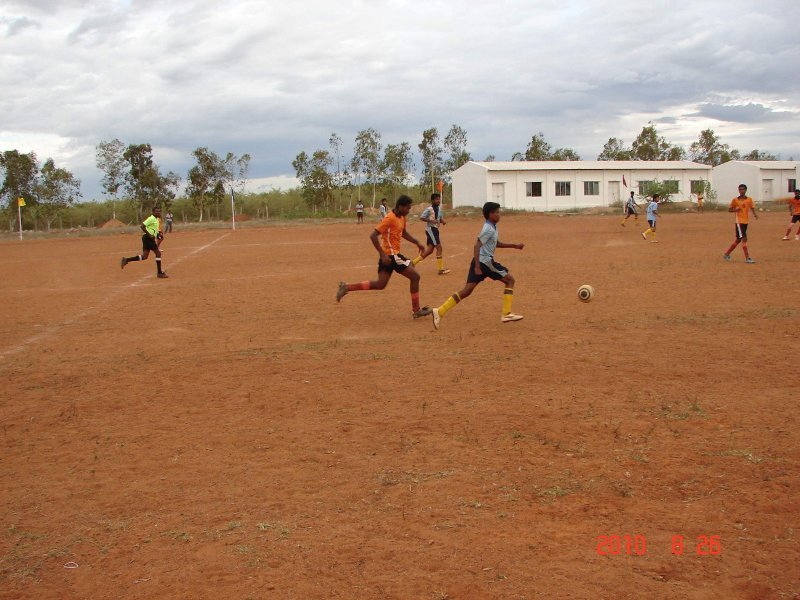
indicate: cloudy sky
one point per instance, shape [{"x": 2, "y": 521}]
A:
[{"x": 273, "y": 78}]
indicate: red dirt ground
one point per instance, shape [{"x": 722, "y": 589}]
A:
[{"x": 232, "y": 432}]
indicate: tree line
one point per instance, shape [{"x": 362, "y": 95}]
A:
[{"x": 330, "y": 180}]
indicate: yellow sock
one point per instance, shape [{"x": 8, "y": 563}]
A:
[
  {"x": 440, "y": 262},
  {"x": 448, "y": 304},
  {"x": 648, "y": 232},
  {"x": 508, "y": 296},
  {"x": 416, "y": 261}
]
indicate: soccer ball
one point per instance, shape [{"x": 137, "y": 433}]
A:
[{"x": 585, "y": 293}]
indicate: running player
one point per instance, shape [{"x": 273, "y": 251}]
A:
[
  {"x": 652, "y": 216},
  {"x": 150, "y": 227},
  {"x": 386, "y": 238},
  {"x": 794, "y": 210},
  {"x": 433, "y": 217},
  {"x": 742, "y": 205},
  {"x": 631, "y": 210},
  {"x": 483, "y": 266}
]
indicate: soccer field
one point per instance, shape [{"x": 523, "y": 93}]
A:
[{"x": 233, "y": 432}]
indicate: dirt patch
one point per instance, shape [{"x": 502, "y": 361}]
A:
[
  {"x": 233, "y": 432},
  {"x": 112, "y": 224}
]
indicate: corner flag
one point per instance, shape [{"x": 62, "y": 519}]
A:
[{"x": 20, "y": 201}]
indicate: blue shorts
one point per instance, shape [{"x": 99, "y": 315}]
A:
[
  {"x": 433, "y": 239},
  {"x": 494, "y": 271}
]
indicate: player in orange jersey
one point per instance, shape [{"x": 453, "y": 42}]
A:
[
  {"x": 794, "y": 210},
  {"x": 742, "y": 205},
  {"x": 386, "y": 238}
]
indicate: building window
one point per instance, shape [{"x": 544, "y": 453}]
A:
[
  {"x": 563, "y": 188},
  {"x": 591, "y": 188},
  {"x": 533, "y": 189},
  {"x": 698, "y": 186},
  {"x": 644, "y": 188},
  {"x": 671, "y": 186},
  {"x": 792, "y": 185}
]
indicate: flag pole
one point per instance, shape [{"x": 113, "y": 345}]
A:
[
  {"x": 19, "y": 216},
  {"x": 233, "y": 210}
]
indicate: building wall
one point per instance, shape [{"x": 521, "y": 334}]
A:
[
  {"x": 470, "y": 182},
  {"x": 728, "y": 176}
]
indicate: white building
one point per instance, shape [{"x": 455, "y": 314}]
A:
[
  {"x": 564, "y": 185},
  {"x": 765, "y": 179}
]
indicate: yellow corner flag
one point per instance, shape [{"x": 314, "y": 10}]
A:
[{"x": 20, "y": 201}]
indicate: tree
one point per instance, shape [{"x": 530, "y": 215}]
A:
[
  {"x": 315, "y": 178},
  {"x": 431, "y": 150},
  {"x": 396, "y": 166},
  {"x": 207, "y": 179},
  {"x": 648, "y": 145},
  {"x": 538, "y": 148},
  {"x": 614, "y": 150},
  {"x": 757, "y": 155},
  {"x": 564, "y": 154},
  {"x": 19, "y": 181},
  {"x": 708, "y": 150},
  {"x": 455, "y": 143},
  {"x": 517, "y": 156},
  {"x": 341, "y": 177},
  {"x": 368, "y": 150},
  {"x": 143, "y": 180},
  {"x": 490, "y": 158},
  {"x": 56, "y": 189},
  {"x": 110, "y": 160}
]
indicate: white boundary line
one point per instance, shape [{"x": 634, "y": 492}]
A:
[{"x": 47, "y": 332}]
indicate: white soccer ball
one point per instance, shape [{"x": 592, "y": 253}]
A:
[{"x": 585, "y": 293}]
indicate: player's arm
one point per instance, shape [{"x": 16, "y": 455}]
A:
[
  {"x": 374, "y": 237},
  {"x": 504, "y": 245},
  {"x": 476, "y": 254},
  {"x": 413, "y": 240},
  {"x": 753, "y": 209}
]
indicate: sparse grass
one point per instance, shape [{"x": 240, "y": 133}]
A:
[{"x": 743, "y": 452}]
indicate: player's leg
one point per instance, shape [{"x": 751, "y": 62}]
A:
[
  {"x": 384, "y": 274},
  {"x": 508, "y": 296},
  {"x": 159, "y": 273},
  {"x": 412, "y": 275},
  {"x": 472, "y": 281},
  {"x": 425, "y": 254},
  {"x": 440, "y": 259}
]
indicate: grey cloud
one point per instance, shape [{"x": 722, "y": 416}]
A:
[
  {"x": 744, "y": 113},
  {"x": 18, "y": 24}
]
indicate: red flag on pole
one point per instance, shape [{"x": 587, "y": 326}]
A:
[{"x": 625, "y": 183}]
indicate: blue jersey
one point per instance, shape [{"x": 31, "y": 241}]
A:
[
  {"x": 488, "y": 238},
  {"x": 652, "y": 210}
]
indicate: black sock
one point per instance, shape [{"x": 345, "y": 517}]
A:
[
  {"x": 158, "y": 265},
  {"x": 133, "y": 259}
]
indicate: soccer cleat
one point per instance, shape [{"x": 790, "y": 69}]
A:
[
  {"x": 786, "y": 237},
  {"x": 123, "y": 261},
  {"x": 750, "y": 261},
  {"x": 163, "y": 275},
  {"x": 797, "y": 237},
  {"x": 436, "y": 318},
  {"x": 342, "y": 291},
  {"x": 623, "y": 224},
  {"x": 510, "y": 317},
  {"x": 444, "y": 271},
  {"x": 726, "y": 257},
  {"x": 644, "y": 236},
  {"x": 422, "y": 312}
]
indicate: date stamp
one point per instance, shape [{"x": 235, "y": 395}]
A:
[{"x": 636, "y": 545}]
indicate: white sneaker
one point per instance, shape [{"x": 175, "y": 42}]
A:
[
  {"x": 786, "y": 237},
  {"x": 797, "y": 237},
  {"x": 510, "y": 317},
  {"x": 436, "y": 318}
]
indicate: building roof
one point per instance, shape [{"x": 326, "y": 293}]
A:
[
  {"x": 590, "y": 165},
  {"x": 764, "y": 164}
]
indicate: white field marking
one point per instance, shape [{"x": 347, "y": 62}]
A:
[{"x": 50, "y": 330}]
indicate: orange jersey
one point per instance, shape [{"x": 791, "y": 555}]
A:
[
  {"x": 795, "y": 204},
  {"x": 391, "y": 229},
  {"x": 742, "y": 209}
]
